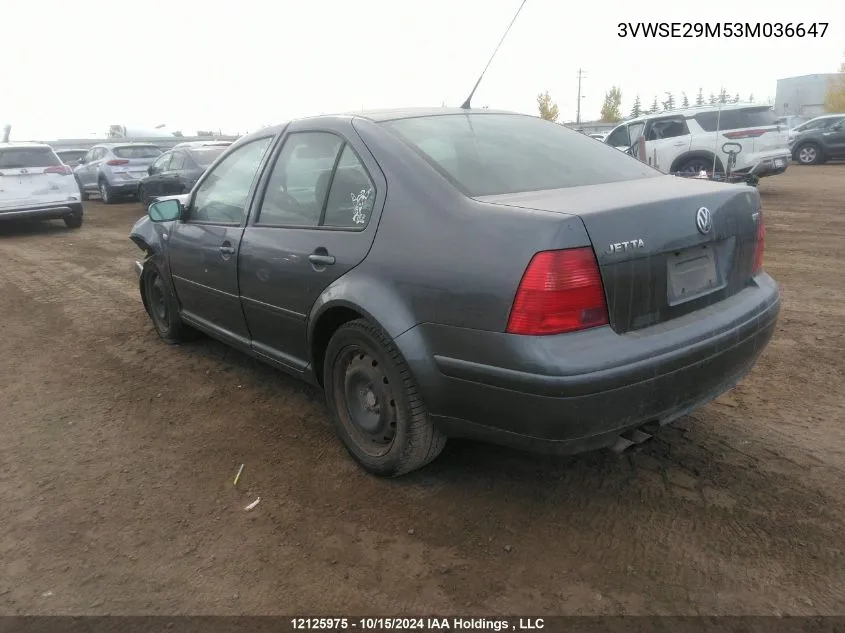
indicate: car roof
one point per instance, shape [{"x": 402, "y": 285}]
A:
[
  {"x": 111, "y": 145},
  {"x": 380, "y": 116},
  {"x": 23, "y": 144},
  {"x": 692, "y": 111}
]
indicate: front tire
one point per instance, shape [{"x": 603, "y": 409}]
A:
[
  {"x": 377, "y": 410},
  {"x": 162, "y": 308},
  {"x": 808, "y": 154},
  {"x": 694, "y": 166},
  {"x": 142, "y": 196}
]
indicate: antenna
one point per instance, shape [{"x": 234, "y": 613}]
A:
[{"x": 465, "y": 105}]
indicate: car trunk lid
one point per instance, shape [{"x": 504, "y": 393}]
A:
[
  {"x": 32, "y": 176},
  {"x": 655, "y": 262}
]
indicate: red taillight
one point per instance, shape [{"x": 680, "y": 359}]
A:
[
  {"x": 561, "y": 291},
  {"x": 62, "y": 170},
  {"x": 761, "y": 240},
  {"x": 117, "y": 161},
  {"x": 745, "y": 134}
]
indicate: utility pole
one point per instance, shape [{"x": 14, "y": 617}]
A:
[{"x": 578, "y": 115}]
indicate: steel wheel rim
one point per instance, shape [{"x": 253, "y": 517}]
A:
[
  {"x": 157, "y": 299},
  {"x": 365, "y": 400},
  {"x": 807, "y": 154}
]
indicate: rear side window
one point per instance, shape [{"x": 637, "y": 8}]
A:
[
  {"x": 352, "y": 196},
  {"x": 137, "y": 152},
  {"x": 22, "y": 157},
  {"x": 735, "y": 119},
  {"x": 493, "y": 154}
]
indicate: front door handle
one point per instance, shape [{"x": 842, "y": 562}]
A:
[
  {"x": 227, "y": 249},
  {"x": 321, "y": 260}
]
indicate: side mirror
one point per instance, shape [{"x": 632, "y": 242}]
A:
[
  {"x": 150, "y": 170},
  {"x": 164, "y": 211},
  {"x": 80, "y": 161}
]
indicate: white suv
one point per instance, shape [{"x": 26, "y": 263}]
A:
[
  {"x": 35, "y": 183},
  {"x": 688, "y": 140}
]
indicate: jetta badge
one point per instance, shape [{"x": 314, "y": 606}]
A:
[
  {"x": 624, "y": 247},
  {"x": 703, "y": 221}
]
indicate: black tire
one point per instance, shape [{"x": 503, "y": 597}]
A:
[
  {"x": 142, "y": 196},
  {"x": 106, "y": 193},
  {"x": 83, "y": 195},
  {"x": 385, "y": 428},
  {"x": 162, "y": 308},
  {"x": 808, "y": 154},
  {"x": 693, "y": 166},
  {"x": 73, "y": 221}
]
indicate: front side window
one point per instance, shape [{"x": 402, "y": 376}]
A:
[
  {"x": 511, "y": 153},
  {"x": 222, "y": 196},
  {"x": 161, "y": 164},
  {"x": 299, "y": 183},
  {"x": 667, "y": 128},
  {"x": 177, "y": 162},
  {"x": 619, "y": 137}
]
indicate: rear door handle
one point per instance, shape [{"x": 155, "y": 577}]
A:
[{"x": 321, "y": 260}]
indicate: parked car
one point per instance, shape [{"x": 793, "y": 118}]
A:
[
  {"x": 687, "y": 140},
  {"x": 481, "y": 274},
  {"x": 819, "y": 140},
  {"x": 35, "y": 184},
  {"x": 114, "y": 169},
  {"x": 177, "y": 171},
  {"x": 70, "y": 156},
  {"x": 189, "y": 144},
  {"x": 791, "y": 121}
]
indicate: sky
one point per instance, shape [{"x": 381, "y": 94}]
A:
[{"x": 70, "y": 69}]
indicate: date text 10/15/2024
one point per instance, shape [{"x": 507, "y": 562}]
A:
[{"x": 417, "y": 624}]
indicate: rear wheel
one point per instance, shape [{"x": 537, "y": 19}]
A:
[
  {"x": 377, "y": 411},
  {"x": 162, "y": 308},
  {"x": 809, "y": 154},
  {"x": 694, "y": 166},
  {"x": 106, "y": 193}
]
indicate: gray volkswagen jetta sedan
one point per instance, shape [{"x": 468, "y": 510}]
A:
[{"x": 463, "y": 273}]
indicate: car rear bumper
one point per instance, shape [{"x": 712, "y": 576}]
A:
[
  {"x": 41, "y": 212},
  {"x": 575, "y": 392},
  {"x": 769, "y": 166}
]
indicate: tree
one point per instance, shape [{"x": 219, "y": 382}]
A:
[
  {"x": 654, "y": 107},
  {"x": 736, "y": 98},
  {"x": 723, "y": 96},
  {"x": 834, "y": 100},
  {"x": 669, "y": 104},
  {"x": 548, "y": 108},
  {"x": 684, "y": 101},
  {"x": 637, "y": 110},
  {"x": 713, "y": 99},
  {"x": 611, "y": 110},
  {"x": 751, "y": 98},
  {"x": 699, "y": 100}
]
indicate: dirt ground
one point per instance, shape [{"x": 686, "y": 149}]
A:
[{"x": 117, "y": 454}]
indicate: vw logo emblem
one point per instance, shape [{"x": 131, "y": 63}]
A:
[
  {"x": 24, "y": 171},
  {"x": 703, "y": 220}
]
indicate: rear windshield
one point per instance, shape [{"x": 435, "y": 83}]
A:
[
  {"x": 736, "y": 119},
  {"x": 489, "y": 154},
  {"x": 71, "y": 154},
  {"x": 19, "y": 157},
  {"x": 206, "y": 155},
  {"x": 147, "y": 151}
]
